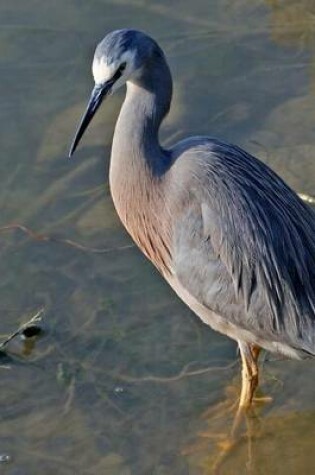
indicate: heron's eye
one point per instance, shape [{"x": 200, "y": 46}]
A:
[
  {"x": 122, "y": 67},
  {"x": 119, "y": 72}
]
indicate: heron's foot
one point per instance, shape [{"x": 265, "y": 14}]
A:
[
  {"x": 221, "y": 438},
  {"x": 246, "y": 427},
  {"x": 206, "y": 440},
  {"x": 225, "y": 408},
  {"x": 254, "y": 401},
  {"x": 214, "y": 436},
  {"x": 249, "y": 412},
  {"x": 262, "y": 400}
]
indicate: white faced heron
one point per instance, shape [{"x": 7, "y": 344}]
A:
[{"x": 230, "y": 237}]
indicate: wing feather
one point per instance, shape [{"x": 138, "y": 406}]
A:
[{"x": 264, "y": 235}]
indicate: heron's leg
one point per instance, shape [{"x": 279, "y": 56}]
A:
[{"x": 249, "y": 355}]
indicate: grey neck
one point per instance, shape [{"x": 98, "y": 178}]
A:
[
  {"x": 136, "y": 139},
  {"x": 138, "y": 162}
]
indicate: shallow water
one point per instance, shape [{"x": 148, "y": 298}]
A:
[{"x": 114, "y": 386}]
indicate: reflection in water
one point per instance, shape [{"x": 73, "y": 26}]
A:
[
  {"x": 293, "y": 24},
  {"x": 118, "y": 384},
  {"x": 266, "y": 444}
]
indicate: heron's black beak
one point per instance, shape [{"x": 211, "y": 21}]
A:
[{"x": 98, "y": 94}]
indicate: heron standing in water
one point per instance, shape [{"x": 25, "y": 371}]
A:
[{"x": 230, "y": 237}]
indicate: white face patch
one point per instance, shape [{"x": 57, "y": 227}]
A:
[{"x": 102, "y": 71}]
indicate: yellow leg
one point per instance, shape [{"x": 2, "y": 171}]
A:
[
  {"x": 249, "y": 355},
  {"x": 226, "y": 443}
]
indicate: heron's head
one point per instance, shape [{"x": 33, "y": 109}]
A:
[{"x": 118, "y": 58}]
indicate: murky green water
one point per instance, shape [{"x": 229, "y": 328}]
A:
[{"x": 110, "y": 389}]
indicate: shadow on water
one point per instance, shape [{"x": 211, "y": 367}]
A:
[{"x": 125, "y": 380}]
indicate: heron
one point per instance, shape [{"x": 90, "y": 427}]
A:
[{"x": 232, "y": 239}]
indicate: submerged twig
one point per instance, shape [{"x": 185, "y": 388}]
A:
[
  {"x": 68, "y": 242},
  {"x": 184, "y": 373},
  {"x": 35, "y": 319},
  {"x": 70, "y": 395}
]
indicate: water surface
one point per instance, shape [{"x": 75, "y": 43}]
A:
[{"x": 115, "y": 385}]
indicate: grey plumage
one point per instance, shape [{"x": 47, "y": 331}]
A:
[
  {"x": 118, "y": 42},
  {"x": 258, "y": 240},
  {"x": 232, "y": 239}
]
